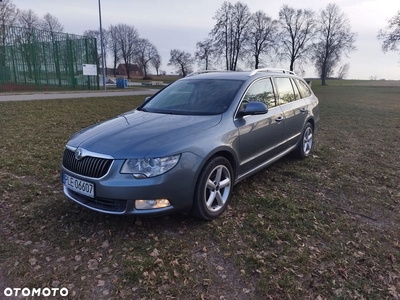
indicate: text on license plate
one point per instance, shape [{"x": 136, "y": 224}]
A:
[{"x": 79, "y": 186}]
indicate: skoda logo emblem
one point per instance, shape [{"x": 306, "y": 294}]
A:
[{"x": 78, "y": 154}]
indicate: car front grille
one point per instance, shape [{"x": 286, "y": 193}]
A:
[
  {"x": 88, "y": 166},
  {"x": 104, "y": 204}
]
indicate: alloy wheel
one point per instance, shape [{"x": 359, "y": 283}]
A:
[
  {"x": 218, "y": 188},
  {"x": 307, "y": 140}
]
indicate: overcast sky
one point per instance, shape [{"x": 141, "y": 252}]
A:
[{"x": 179, "y": 24}]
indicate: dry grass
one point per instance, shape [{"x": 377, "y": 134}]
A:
[{"x": 323, "y": 228}]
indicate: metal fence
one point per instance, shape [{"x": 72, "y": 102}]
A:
[{"x": 38, "y": 60}]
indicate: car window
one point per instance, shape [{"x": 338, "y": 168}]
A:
[
  {"x": 194, "y": 97},
  {"x": 285, "y": 90},
  {"x": 177, "y": 97},
  {"x": 304, "y": 88},
  {"x": 261, "y": 91},
  {"x": 296, "y": 90}
]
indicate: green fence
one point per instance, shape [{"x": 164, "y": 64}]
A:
[{"x": 37, "y": 60}]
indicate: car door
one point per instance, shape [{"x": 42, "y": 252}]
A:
[
  {"x": 294, "y": 110},
  {"x": 259, "y": 135}
]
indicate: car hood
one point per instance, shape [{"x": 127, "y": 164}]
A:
[{"x": 136, "y": 133}]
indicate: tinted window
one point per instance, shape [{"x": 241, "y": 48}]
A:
[
  {"x": 194, "y": 97},
  {"x": 304, "y": 88},
  {"x": 285, "y": 90},
  {"x": 261, "y": 91}
]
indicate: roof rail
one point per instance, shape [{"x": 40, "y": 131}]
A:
[
  {"x": 207, "y": 71},
  {"x": 276, "y": 70}
]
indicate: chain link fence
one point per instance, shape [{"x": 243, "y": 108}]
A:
[{"x": 38, "y": 60}]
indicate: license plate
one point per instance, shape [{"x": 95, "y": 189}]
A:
[{"x": 79, "y": 186}]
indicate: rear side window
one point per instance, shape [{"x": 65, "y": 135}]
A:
[
  {"x": 285, "y": 90},
  {"x": 296, "y": 90},
  {"x": 304, "y": 88},
  {"x": 261, "y": 91}
]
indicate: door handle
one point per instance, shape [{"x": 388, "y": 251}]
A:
[
  {"x": 278, "y": 120},
  {"x": 303, "y": 110}
]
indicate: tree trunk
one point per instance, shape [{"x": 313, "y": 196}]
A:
[
  {"x": 257, "y": 61},
  {"x": 115, "y": 66},
  {"x": 183, "y": 71},
  {"x": 323, "y": 73},
  {"x": 291, "y": 64},
  {"x": 128, "y": 69}
]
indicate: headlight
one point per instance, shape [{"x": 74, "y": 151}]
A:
[{"x": 149, "y": 167}]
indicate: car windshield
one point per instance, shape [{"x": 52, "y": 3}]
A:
[{"x": 194, "y": 97}]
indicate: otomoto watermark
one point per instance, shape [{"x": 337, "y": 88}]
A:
[{"x": 39, "y": 292}]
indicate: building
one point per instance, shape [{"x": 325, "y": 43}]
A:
[{"x": 134, "y": 70}]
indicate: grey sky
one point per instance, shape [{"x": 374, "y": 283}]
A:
[{"x": 181, "y": 23}]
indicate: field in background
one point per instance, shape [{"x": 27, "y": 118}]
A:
[
  {"x": 358, "y": 82},
  {"x": 324, "y": 228}
]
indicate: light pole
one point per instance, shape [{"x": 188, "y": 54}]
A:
[{"x": 102, "y": 50}]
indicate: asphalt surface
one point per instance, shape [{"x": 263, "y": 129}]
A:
[{"x": 69, "y": 95}]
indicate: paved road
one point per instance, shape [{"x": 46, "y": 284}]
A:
[{"x": 69, "y": 95}]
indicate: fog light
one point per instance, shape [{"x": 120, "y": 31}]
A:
[{"x": 152, "y": 204}]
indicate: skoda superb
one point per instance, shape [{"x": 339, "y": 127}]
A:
[{"x": 185, "y": 148}]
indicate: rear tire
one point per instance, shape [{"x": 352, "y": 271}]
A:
[
  {"x": 213, "y": 190},
  {"x": 305, "y": 144}
]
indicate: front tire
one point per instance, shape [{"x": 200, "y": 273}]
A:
[
  {"x": 213, "y": 190},
  {"x": 304, "y": 147}
]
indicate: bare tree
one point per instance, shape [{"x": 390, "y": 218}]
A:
[
  {"x": 229, "y": 33},
  {"x": 181, "y": 60},
  {"x": 343, "y": 71},
  {"x": 204, "y": 53},
  {"x": 8, "y": 13},
  {"x": 333, "y": 39},
  {"x": 51, "y": 23},
  {"x": 8, "y": 17},
  {"x": 390, "y": 36},
  {"x": 297, "y": 33},
  {"x": 126, "y": 37},
  {"x": 145, "y": 52},
  {"x": 262, "y": 36},
  {"x": 156, "y": 63},
  {"x": 28, "y": 19},
  {"x": 52, "y": 26},
  {"x": 96, "y": 34},
  {"x": 113, "y": 46}
]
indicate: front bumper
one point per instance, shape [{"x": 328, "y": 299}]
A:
[{"x": 116, "y": 193}]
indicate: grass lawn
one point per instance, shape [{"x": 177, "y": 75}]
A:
[{"x": 324, "y": 228}]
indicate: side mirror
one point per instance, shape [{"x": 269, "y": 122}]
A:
[
  {"x": 253, "y": 108},
  {"x": 146, "y": 99}
]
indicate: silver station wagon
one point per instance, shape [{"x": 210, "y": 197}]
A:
[{"x": 185, "y": 148}]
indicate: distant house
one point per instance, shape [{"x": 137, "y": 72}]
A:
[
  {"x": 133, "y": 69},
  {"x": 108, "y": 71}
]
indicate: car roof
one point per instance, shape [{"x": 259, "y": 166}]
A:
[{"x": 238, "y": 75}]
